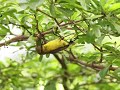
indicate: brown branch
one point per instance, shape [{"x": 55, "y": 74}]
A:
[
  {"x": 96, "y": 47},
  {"x": 61, "y": 61},
  {"x": 23, "y": 38},
  {"x": 45, "y": 13},
  {"x": 47, "y": 32},
  {"x": 15, "y": 39},
  {"x": 56, "y": 22},
  {"x": 64, "y": 67},
  {"x": 43, "y": 33},
  {"x": 37, "y": 26},
  {"x": 101, "y": 55},
  {"x": 49, "y": 16},
  {"x": 73, "y": 59},
  {"x": 101, "y": 51},
  {"x": 94, "y": 66},
  {"x": 21, "y": 26}
]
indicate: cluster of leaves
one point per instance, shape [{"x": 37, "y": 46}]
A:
[{"x": 95, "y": 23}]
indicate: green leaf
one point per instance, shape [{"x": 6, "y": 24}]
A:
[
  {"x": 31, "y": 39},
  {"x": 33, "y": 4},
  {"x": 47, "y": 55},
  {"x": 94, "y": 3},
  {"x": 114, "y": 7},
  {"x": 40, "y": 58},
  {"x": 51, "y": 85},
  {"x": 65, "y": 11},
  {"x": 10, "y": 11},
  {"x": 97, "y": 32},
  {"x": 100, "y": 39},
  {"x": 73, "y": 68},
  {"x": 117, "y": 73},
  {"x": 82, "y": 39},
  {"x": 117, "y": 27},
  {"x": 103, "y": 2},
  {"x": 26, "y": 21},
  {"x": 107, "y": 4},
  {"x": 90, "y": 39},
  {"x": 83, "y": 4},
  {"x": 110, "y": 48},
  {"x": 75, "y": 15},
  {"x": 3, "y": 30},
  {"x": 104, "y": 72},
  {"x": 76, "y": 29},
  {"x": 52, "y": 10},
  {"x": 94, "y": 17},
  {"x": 77, "y": 6}
]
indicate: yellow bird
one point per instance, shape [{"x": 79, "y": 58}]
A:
[{"x": 52, "y": 46}]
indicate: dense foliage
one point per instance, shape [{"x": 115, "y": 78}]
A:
[{"x": 91, "y": 62}]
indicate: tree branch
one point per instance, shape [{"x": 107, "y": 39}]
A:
[
  {"x": 61, "y": 61},
  {"x": 73, "y": 59},
  {"x": 44, "y": 13},
  {"x": 15, "y": 39},
  {"x": 96, "y": 47},
  {"x": 23, "y": 38},
  {"x": 21, "y": 26},
  {"x": 99, "y": 67},
  {"x": 64, "y": 67}
]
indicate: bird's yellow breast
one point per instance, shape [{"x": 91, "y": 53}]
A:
[{"x": 52, "y": 46}]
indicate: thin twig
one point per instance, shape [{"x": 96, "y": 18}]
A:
[
  {"x": 96, "y": 47},
  {"x": 101, "y": 55},
  {"x": 45, "y": 13},
  {"x": 50, "y": 17},
  {"x": 37, "y": 26},
  {"x": 61, "y": 61},
  {"x": 21, "y": 26},
  {"x": 101, "y": 51}
]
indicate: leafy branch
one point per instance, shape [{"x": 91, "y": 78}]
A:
[
  {"x": 23, "y": 37},
  {"x": 64, "y": 67},
  {"x": 49, "y": 16},
  {"x": 74, "y": 59},
  {"x": 15, "y": 39}
]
